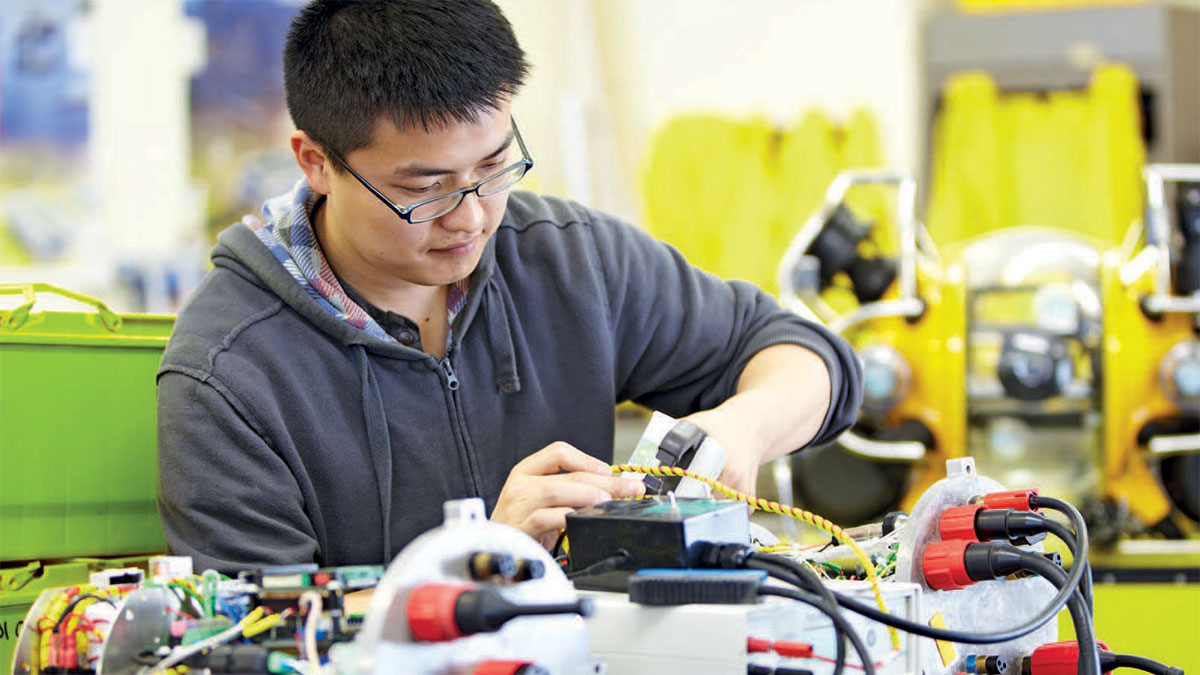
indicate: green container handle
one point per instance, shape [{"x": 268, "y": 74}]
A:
[{"x": 19, "y": 315}]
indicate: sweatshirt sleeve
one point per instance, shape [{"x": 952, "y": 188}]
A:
[
  {"x": 225, "y": 497},
  {"x": 683, "y": 336}
]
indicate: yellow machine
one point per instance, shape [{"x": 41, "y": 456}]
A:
[
  {"x": 1151, "y": 358},
  {"x": 909, "y": 331},
  {"x": 1062, "y": 360}
]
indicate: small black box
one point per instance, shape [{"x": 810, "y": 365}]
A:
[{"x": 655, "y": 531}]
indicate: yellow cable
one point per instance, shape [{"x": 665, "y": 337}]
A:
[
  {"x": 775, "y": 507},
  {"x": 775, "y": 548},
  {"x": 262, "y": 625}
]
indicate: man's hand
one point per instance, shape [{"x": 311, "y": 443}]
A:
[
  {"x": 743, "y": 450},
  {"x": 783, "y": 395},
  {"x": 552, "y": 482}
]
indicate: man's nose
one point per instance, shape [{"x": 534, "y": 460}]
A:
[{"x": 468, "y": 217}]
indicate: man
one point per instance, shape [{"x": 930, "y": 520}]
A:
[{"x": 402, "y": 329}]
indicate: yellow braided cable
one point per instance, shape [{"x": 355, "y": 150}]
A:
[{"x": 775, "y": 507}]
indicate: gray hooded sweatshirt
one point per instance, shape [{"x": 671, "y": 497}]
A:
[{"x": 289, "y": 436}]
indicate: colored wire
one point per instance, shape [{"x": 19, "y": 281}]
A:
[
  {"x": 179, "y": 655},
  {"x": 209, "y": 596},
  {"x": 188, "y": 591},
  {"x": 314, "y": 605},
  {"x": 809, "y": 517},
  {"x": 263, "y": 625},
  {"x": 78, "y": 599}
]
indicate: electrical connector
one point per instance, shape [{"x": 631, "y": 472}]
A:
[
  {"x": 785, "y": 648},
  {"x": 721, "y": 556},
  {"x": 974, "y": 522},
  {"x": 958, "y": 522},
  {"x": 985, "y": 664},
  {"x": 529, "y": 569},
  {"x": 1009, "y": 499},
  {"x": 950, "y": 565},
  {"x": 1060, "y": 658},
  {"x": 483, "y": 566},
  {"x": 943, "y": 565},
  {"x": 440, "y": 612}
]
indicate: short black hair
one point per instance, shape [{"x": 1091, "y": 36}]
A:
[{"x": 347, "y": 63}]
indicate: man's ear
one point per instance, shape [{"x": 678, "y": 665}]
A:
[{"x": 312, "y": 160}]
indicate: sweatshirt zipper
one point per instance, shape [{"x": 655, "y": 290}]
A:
[
  {"x": 452, "y": 384},
  {"x": 451, "y": 378}
]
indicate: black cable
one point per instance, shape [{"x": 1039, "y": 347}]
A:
[
  {"x": 839, "y": 621},
  {"x": 787, "y": 570},
  {"x": 612, "y": 562},
  {"x": 1064, "y": 533},
  {"x": 1085, "y": 632},
  {"x": 557, "y": 549},
  {"x": 75, "y": 601},
  {"x": 739, "y": 556},
  {"x": 1079, "y": 557},
  {"x": 1144, "y": 664}
]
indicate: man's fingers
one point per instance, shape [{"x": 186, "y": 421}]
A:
[
  {"x": 617, "y": 486},
  {"x": 558, "y": 457},
  {"x": 544, "y": 492},
  {"x": 739, "y": 480},
  {"x": 544, "y": 521}
]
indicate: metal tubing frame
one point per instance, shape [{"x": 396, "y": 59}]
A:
[
  {"x": 1158, "y": 235},
  {"x": 908, "y": 304}
]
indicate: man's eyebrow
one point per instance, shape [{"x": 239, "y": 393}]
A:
[{"x": 417, "y": 170}]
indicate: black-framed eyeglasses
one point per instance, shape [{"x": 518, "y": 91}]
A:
[{"x": 436, "y": 207}]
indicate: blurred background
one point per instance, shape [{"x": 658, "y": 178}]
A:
[
  {"x": 131, "y": 130},
  {"x": 1018, "y": 267}
]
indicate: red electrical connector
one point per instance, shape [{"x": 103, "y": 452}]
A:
[
  {"x": 949, "y": 565},
  {"x": 1010, "y": 499},
  {"x": 958, "y": 522},
  {"x": 438, "y": 612},
  {"x": 791, "y": 650},
  {"x": 1057, "y": 658},
  {"x": 944, "y": 564},
  {"x": 430, "y": 612}
]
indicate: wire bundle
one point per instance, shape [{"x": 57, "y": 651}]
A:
[{"x": 761, "y": 504}]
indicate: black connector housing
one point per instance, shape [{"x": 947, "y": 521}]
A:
[
  {"x": 685, "y": 587},
  {"x": 655, "y": 532},
  {"x": 1019, "y": 527},
  {"x": 992, "y": 560}
]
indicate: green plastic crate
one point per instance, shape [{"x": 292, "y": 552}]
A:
[
  {"x": 21, "y": 585},
  {"x": 77, "y": 429}
]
